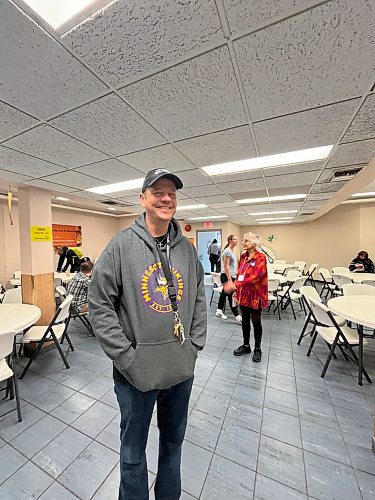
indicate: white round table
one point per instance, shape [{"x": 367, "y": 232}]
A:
[
  {"x": 359, "y": 277},
  {"x": 359, "y": 309},
  {"x": 274, "y": 276},
  {"x": 15, "y": 318},
  {"x": 64, "y": 277}
]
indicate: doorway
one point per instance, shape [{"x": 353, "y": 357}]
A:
[{"x": 204, "y": 240}]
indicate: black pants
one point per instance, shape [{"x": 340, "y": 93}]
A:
[
  {"x": 255, "y": 316},
  {"x": 222, "y": 299},
  {"x": 215, "y": 264}
]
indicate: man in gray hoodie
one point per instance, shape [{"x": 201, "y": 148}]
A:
[{"x": 148, "y": 310}]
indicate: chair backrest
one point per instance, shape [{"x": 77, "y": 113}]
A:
[
  {"x": 321, "y": 313},
  {"x": 6, "y": 344},
  {"x": 312, "y": 268},
  {"x": 17, "y": 275},
  {"x": 292, "y": 275},
  {"x": 298, "y": 283},
  {"x": 216, "y": 279},
  {"x": 300, "y": 264},
  {"x": 369, "y": 282},
  {"x": 358, "y": 289},
  {"x": 279, "y": 261},
  {"x": 63, "y": 310},
  {"x": 273, "y": 285},
  {"x": 325, "y": 274},
  {"x": 340, "y": 270},
  {"x": 62, "y": 292},
  {"x": 310, "y": 292},
  {"x": 341, "y": 280},
  {"x": 13, "y": 296}
]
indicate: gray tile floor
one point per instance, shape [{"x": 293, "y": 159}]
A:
[{"x": 272, "y": 430}]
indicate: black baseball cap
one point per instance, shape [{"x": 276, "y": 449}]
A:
[{"x": 157, "y": 173}]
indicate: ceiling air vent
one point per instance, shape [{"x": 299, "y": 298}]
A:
[{"x": 344, "y": 175}]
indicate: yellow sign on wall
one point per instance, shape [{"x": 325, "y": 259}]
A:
[{"x": 41, "y": 233}]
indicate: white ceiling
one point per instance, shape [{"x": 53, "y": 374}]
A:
[{"x": 182, "y": 85}]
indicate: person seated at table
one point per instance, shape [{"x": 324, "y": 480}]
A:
[
  {"x": 73, "y": 258},
  {"x": 362, "y": 263},
  {"x": 79, "y": 287}
]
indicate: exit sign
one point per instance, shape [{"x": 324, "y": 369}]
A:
[{"x": 207, "y": 225}]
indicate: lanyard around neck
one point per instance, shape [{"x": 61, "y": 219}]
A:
[{"x": 166, "y": 266}]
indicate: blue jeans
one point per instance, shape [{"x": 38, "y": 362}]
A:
[{"x": 136, "y": 411}]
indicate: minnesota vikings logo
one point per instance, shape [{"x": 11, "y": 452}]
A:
[{"x": 154, "y": 288}]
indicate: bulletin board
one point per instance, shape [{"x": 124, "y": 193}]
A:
[{"x": 64, "y": 235}]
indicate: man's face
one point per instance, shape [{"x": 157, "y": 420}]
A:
[{"x": 160, "y": 200}]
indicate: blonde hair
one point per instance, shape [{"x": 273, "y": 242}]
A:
[{"x": 254, "y": 238}]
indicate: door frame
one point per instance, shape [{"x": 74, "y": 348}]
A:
[{"x": 211, "y": 230}]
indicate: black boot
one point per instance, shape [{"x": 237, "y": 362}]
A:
[{"x": 240, "y": 351}]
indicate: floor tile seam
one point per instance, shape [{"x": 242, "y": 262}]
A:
[
  {"x": 45, "y": 413},
  {"x": 101, "y": 484},
  {"x": 291, "y": 487},
  {"x": 18, "y": 468},
  {"x": 221, "y": 428},
  {"x": 261, "y": 422},
  {"x": 303, "y": 450}
]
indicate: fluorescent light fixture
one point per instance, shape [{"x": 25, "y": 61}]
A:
[
  {"x": 273, "y": 198},
  {"x": 64, "y": 15},
  {"x": 275, "y": 218},
  {"x": 190, "y": 207},
  {"x": 212, "y": 217},
  {"x": 363, "y": 195},
  {"x": 112, "y": 209},
  {"x": 278, "y": 160},
  {"x": 61, "y": 198},
  {"x": 118, "y": 186},
  {"x": 275, "y": 222},
  {"x": 274, "y": 212}
]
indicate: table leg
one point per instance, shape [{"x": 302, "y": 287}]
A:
[{"x": 360, "y": 347}]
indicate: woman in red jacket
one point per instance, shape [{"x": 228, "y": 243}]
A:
[{"x": 251, "y": 293}]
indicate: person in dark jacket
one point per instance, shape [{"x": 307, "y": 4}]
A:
[
  {"x": 71, "y": 257},
  {"x": 362, "y": 263},
  {"x": 148, "y": 310}
]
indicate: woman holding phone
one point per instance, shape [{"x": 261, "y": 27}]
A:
[{"x": 227, "y": 277}]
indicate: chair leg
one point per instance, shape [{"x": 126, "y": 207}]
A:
[
  {"x": 312, "y": 343},
  {"x": 60, "y": 350},
  {"x": 15, "y": 382},
  {"x": 329, "y": 357},
  {"x": 291, "y": 305},
  {"x": 86, "y": 324},
  {"x": 307, "y": 321},
  {"x": 345, "y": 356},
  {"x": 212, "y": 296},
  {"x": 34, "y": 355}
]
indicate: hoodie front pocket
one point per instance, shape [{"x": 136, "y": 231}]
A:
[{"x": 161, "y": 365}]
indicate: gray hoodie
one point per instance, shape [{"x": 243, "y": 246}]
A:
[{"x": 131, "y": 313}]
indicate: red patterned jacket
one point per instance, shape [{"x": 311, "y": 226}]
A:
[{"x": 253, "y": 290}]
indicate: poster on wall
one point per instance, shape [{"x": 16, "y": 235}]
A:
[{"x": 64, "y": 235}]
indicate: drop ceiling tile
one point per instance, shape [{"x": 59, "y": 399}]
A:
[
  {"x": 74, "y": 179},
  {"x": 308, "y": 129},
  {"x": 199, "y": 191},
  {"x": 193, "y": 98},
  {"x": 195, "y": 177},
  {"x": 208, "y": 200},
  {"x": 318, "y": 196},
  {"x": 240, "y": 177},
  {"x": 294, "y": 169},
  {"x": 219, "y": 147},
  {"x": 5, "y": 175},
  {"x": 232, "y": 205},
  {"x": 134, "y": 200},
  {"x": 363, "y": 125},
  {"x": 130, "y": 38},
  {"x": 111, "y": 171},
  {"x": 245, "y": 16},
  {"x": 166, "y": 156},
  {"x": 242, "y": 186},
  {"x": 312, "y": 45},
  {"x": 39, "y": 76},
  {"x": 26, "y": 165},
  {"x": 353, "y": 153},
  {"x": 51, "y": 186},
  {"x": 90, "y": 196},
  {"x": 289, "y": 180},
  {"x": 110, "y": 125},
  {"x": 328, "y": 187},
  {"x": 13, "y": 121},
  {"x": 49, "y": 144}
]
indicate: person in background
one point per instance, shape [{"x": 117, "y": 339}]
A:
[
  {"x": 79, "y": 287},
  {"x": 148, "y": 310},
  {"x": 214, "y": 256},
  {"x": 73, "y": 258},
  {"x": 362, "y": 263},
  {"x": 227, "y": 277},
  {"x": 251, "y": 293}
]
